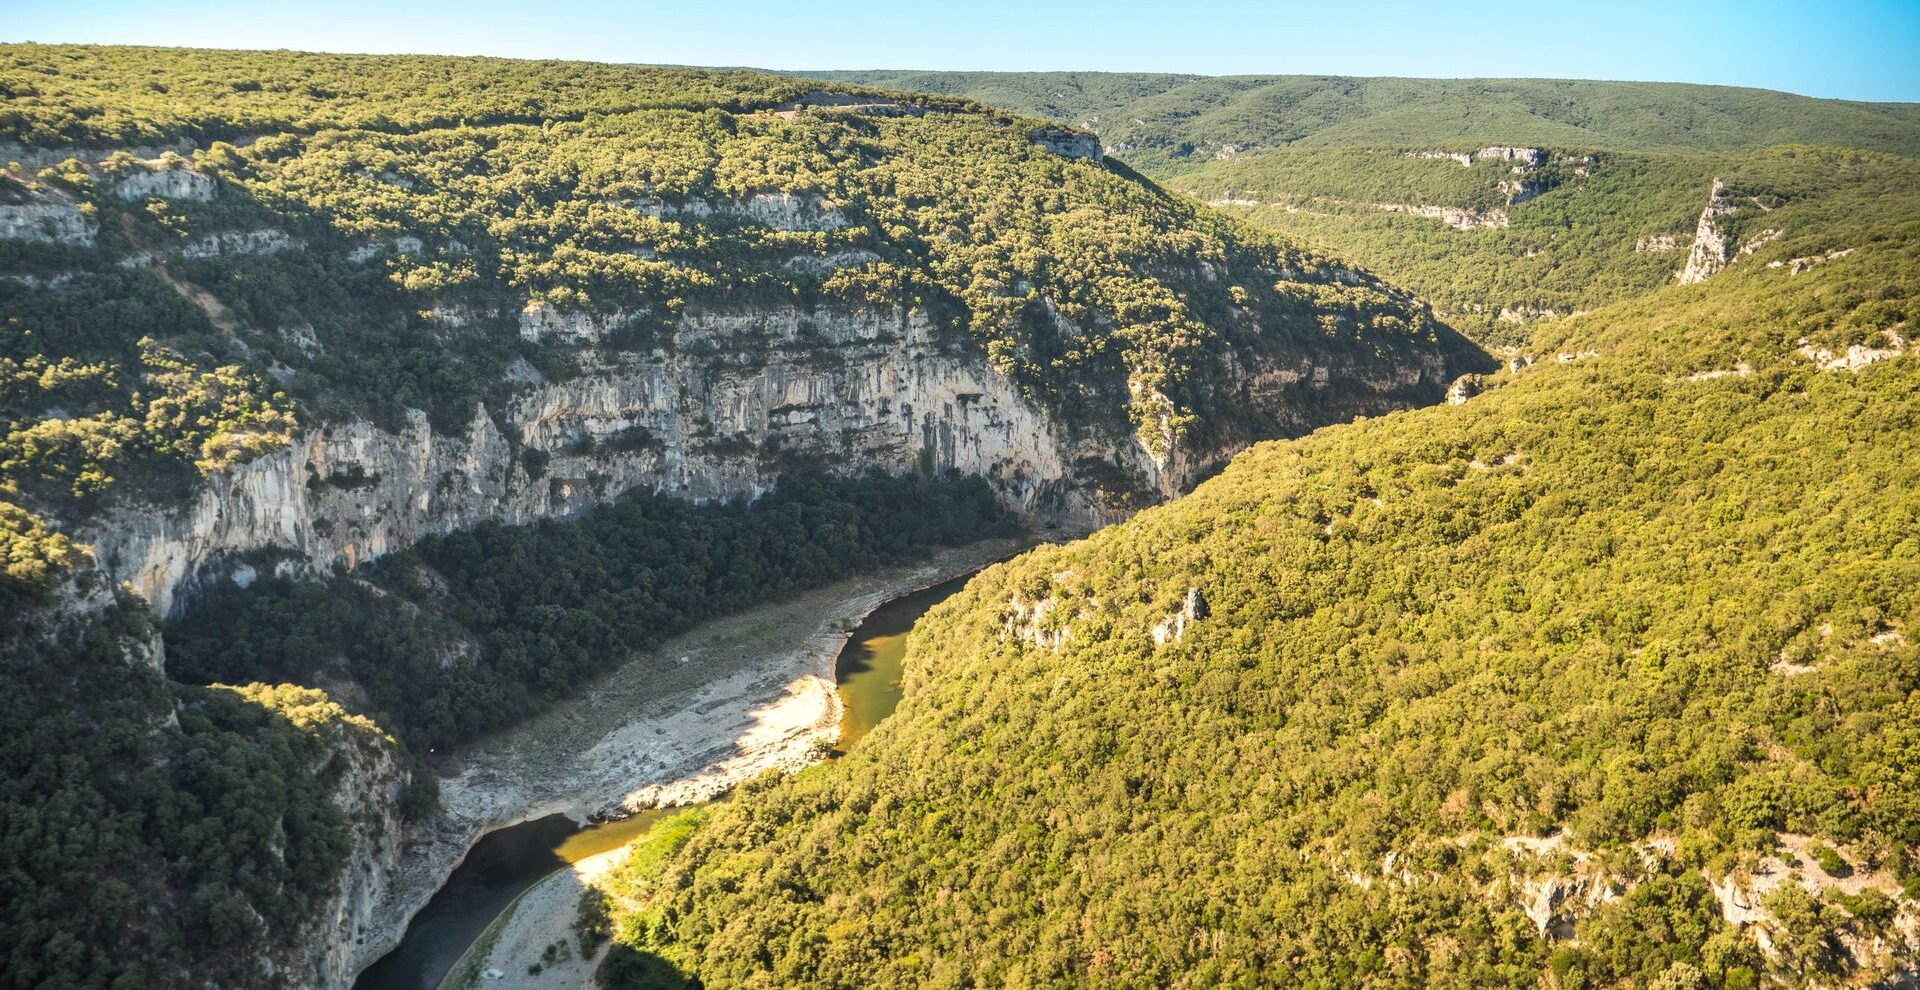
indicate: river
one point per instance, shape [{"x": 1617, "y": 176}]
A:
[{"x": 508, "y": 861}]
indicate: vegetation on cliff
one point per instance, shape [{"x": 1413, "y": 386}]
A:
[
  {"x": 366, "y": 233},
  {"x": 154, "y": 834},
  {"x": 470, "y": 632}
]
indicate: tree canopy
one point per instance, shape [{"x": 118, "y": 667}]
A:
[{"x": 1646, "y": 605}]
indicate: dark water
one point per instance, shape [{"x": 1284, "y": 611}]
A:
[
  {"x": 499, "y": 868},
  {"x": 868, "y": 672},
  {"x": 505, "y": 863}
]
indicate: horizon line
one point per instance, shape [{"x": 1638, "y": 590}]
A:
[{"x": 807, "y": 72}]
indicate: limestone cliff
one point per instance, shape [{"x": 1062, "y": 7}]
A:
[
  {"x": 1717, "y": 240},
  {"x": 1459, "y": 218},
  {"x": 736, "y": 399},
  {"x": 333, "y": 947},
  {"x": 1709, "y": 251},
  {"x": 1072, "y": 144},
  {"x": 47, "y": 221}
]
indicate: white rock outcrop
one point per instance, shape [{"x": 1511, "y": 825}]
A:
[
  {"x": 1030, "y": 621},
  {"x": 1709, "y": 252},
  {"x": 1795, "y": 266},
  {"x": 1856, "y": 356},
  {"x": 1173, "y": 628},
  {"x": 33, "y": 157},
  {"x": 1457, "y": 217},
  {"x": 1526, "y": 156},
  {"x": 1559, "y": 886},
  {"x": 47, "y": 223},
  {"x": 779, "y": 210},
  {"x": 1520, "y": 191},
  {"x": 1071, "y": 144},
  {"x": 219, "y": 244},
  {"x": 1463, "y": 158},
  {"x": 182, "y": 184},
  {"x": 541, "y": 322}
]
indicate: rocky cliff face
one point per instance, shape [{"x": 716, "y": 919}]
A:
[
  {"x": 1071, "y": 144},
  {"x": 331, "y": 952},
  {"x": 181, "y": 184},
  {"x": 1709, "y": 252},
  {"x": 1559, "y": 886},
  {"x": 736, "y": 400},
  {"x": 1459, "y": 218},
  {"x": 51, "y": 221},
  {"x": 1724, "y": 234}
]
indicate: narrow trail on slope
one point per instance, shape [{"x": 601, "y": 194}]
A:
[{"x": 217, "y": 312}]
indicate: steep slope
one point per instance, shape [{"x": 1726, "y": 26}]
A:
[
  {"x": 720, "y": 291},
  {"x": 1164, "y": 123},
  {"x": 154, "y": 832},
  {"x": 266, "y": 318},
  {"x": 1503, "y": 203},
  {"x": 1606, "y": 676},
  {"x": 1502, "y": 239}
]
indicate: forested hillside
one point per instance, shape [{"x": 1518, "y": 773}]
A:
[
  {"x": 412, "y": 393},
  {"x": 156, "y": 834},
  {"x": 1165, "y": 123},
  {"x": 1604, "y": 677},
  {"x": 1504, "y": 203},
  {"x": 267, "y": 317},
  {"x": 1502, "y": 249},
  {"x": 366, "y": 236}
]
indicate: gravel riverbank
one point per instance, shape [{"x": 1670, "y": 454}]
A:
[{"x": 676, "y": 725}]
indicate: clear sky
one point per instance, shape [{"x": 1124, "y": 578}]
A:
[{"x": 1855, "y": 49}]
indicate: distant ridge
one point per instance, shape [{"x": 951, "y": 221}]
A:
[{"x": 1170, "y": 121}]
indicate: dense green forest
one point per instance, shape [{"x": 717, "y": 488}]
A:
[
  {"x": 209, "y": 254},
  {"x": 1644, "y": 605},
  {"x": 1166, "y": 123},
  {"x": 154, "y": 834},
  {"x": 119, "y": 96},
  {"x": 1650, "y": 600},
  {"x": 470, "y": 632},
  {"x": 1625, "y": 167},
  {"x": 360, "y": 235}
]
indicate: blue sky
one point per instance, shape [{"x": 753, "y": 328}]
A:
[{"x": 1854, "y": 49}]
